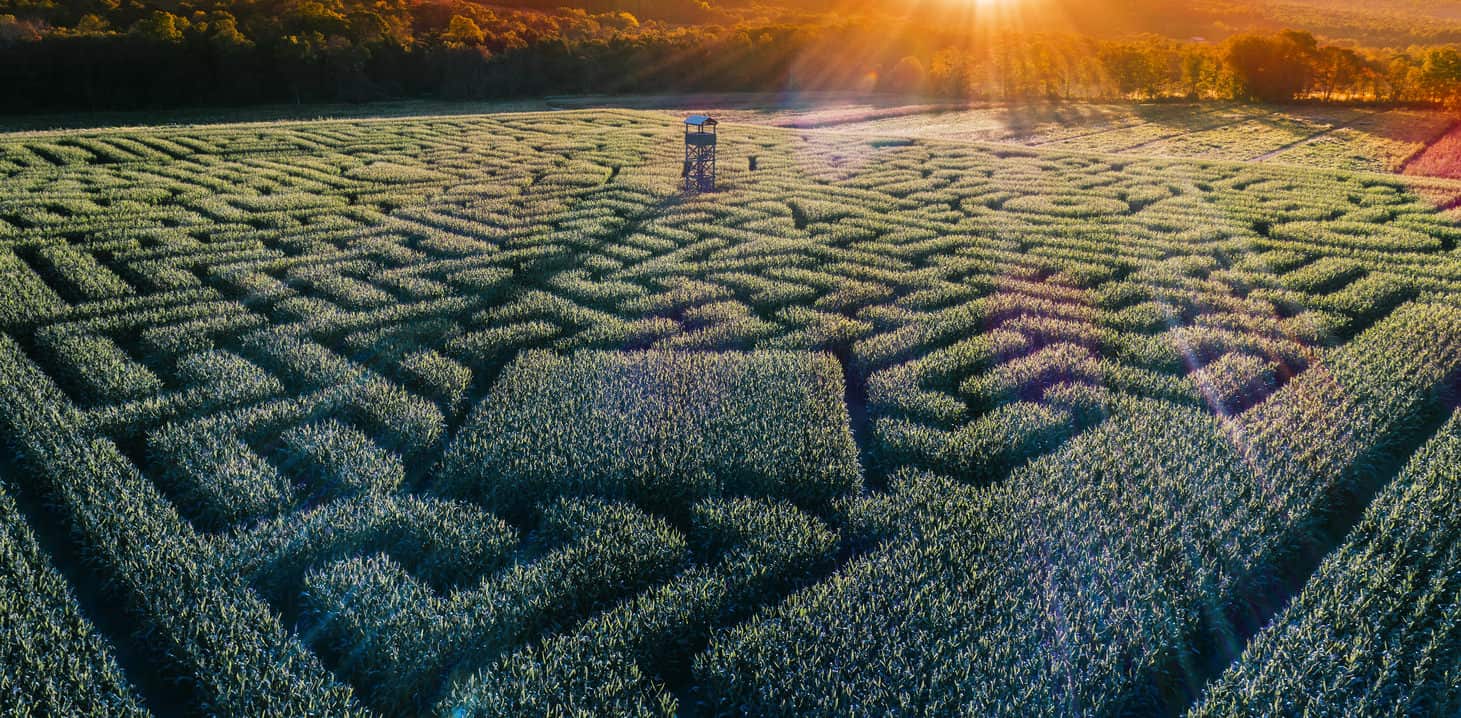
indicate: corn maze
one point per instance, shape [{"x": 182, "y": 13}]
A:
[{"x": 479, "y": 416}]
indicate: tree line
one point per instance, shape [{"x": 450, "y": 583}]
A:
[
  {"x": 1284, "y": 66},
  {"x": 117, "y": 54}
]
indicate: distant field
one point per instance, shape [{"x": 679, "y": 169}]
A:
[
  {"x": 480, "y": 416},
  {"x": 1330, "y": 137},
  {"x": 1316, "y": 136},
  {"x": 1442, "y": 158}
]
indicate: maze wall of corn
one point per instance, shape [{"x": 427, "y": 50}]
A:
[{"x": 482, "y": 416}]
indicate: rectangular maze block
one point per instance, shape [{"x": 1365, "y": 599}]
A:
[
  {"x": 24, "y": 296},
  {"x": 661, "y": 428}
]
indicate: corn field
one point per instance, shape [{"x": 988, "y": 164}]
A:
[{"x": 481, "y": 416}]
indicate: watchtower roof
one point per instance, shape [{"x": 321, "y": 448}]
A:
[{"x": 701, "y": 121}]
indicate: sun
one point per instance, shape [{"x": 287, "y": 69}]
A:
[{"x": 996, "y": 6}]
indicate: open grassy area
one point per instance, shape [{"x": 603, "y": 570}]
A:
[
  {"x": 1147, "y": 411},
  {"x": 1328, "y": 137}
]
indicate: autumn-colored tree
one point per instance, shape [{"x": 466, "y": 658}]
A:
[
  {"x": 1202, "y": 73},
  {"x": 463, "y": 31},
  {"x": 132, "y": 53},
  {"x": 160, "y": 26},
  {"x": 1272, "y": 68},
  {"x": 907, "y": 76},
  {"x": 1336, "y": 68},
  {"x": 1132, "y": 68},
  {"x": 951, "y": 73},
  {"x": 92, "y": 24},
  {"x": 1440, "y": 75},
  {"x": 223, "y": 33},
  {"x": 14, "y": 31}
]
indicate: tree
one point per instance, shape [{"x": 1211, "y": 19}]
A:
[
  {"x": 623, "y": 21},
  {"x": 314, "y": 18},
  {"x": 160, "y": 26},
  {"x": 907, "y": 76},
  {"x": 1337, "y": 69},
  {"x": 1131, "y": 68},
  {"x": 92, "y": 24},
  {"x": 1441, "y": 74},
  {"x": 1201, "y": 73},
  {"x": 461, "y": 31},
  {"x": 1276, "y": 68},
  {"x": 224, "y": 33},
  {"x": 951, "y": 73},
  {"x": 1400, "y": 75},
  {"x": 14, "y": 31}
]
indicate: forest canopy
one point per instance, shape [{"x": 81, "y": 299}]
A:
[{"x": 103, "y": 54}]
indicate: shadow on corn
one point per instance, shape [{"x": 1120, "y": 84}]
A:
[
  {"x": 854, "y": 387},
  {"x": 141, "y": 663},
  {"x": 1175, "y": 687}
]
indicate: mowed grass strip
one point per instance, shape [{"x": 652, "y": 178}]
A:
[{"x": 662, "y": 429}]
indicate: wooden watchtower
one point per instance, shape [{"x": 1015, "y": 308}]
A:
[{"x": 699, "y": 172}]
